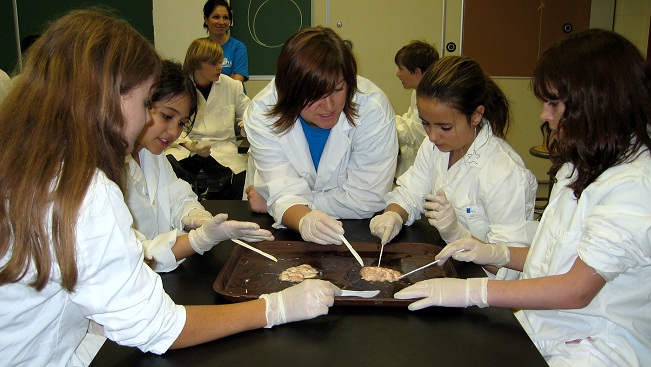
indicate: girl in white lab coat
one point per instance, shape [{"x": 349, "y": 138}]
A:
[
  {"x": 68, "y": 253},
  {"x": 211, "y": 146},
  {"x": 466, "y": 178},
  {"x": 586, "y": 279},
  {"x": 323, "y": 140},
  {"x": 161, "y": 204}
]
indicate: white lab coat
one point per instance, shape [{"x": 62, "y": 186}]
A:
[
  {"x": 608, "y": 228},
  {"x": 215, "y": 124},
  {"x": 115, "y": 289},
  {"x": 356, "y": 169},
  {"x": 493, "y": 195},
  {"x": 158, "y": 200},
  {"x": 410, "y": 135}
]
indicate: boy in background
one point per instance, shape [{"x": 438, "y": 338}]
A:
[{"x": 412, "y": 60}]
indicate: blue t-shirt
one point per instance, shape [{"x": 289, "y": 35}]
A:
[
  {"x": 316, "y": 140},
  {"x": 236, "y": 58}
]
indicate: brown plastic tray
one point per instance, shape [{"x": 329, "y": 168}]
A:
[{"x": 246, "y": 274}]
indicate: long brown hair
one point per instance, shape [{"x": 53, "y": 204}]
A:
[
  {"x": 460, "y": 83},
  {"x": 605, "y": 84},
  {"x": 61, "y": 122},
  {"x": 309, "y": 67}
]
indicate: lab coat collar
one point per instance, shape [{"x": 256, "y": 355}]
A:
[{"x": 478, "y": 151}]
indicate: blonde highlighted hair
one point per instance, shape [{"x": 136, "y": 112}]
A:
[{"x": 202, "y": 50}]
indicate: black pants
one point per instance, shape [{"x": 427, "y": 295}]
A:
[{"x": 208, "y": 178}]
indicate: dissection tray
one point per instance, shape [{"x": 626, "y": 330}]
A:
[{"x": 246, "y": 275}]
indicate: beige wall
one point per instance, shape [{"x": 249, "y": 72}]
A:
[{"x": 178, "y": 22}]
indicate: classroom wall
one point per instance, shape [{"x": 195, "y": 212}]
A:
[{"x": 177, "y": 22}]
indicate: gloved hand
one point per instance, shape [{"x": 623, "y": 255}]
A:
[
  {"x": 196, "y": 218},
  {"x": 441, "y": 214},
  {"x": 386, "y": 226},
  {"x": 306, "y": 300},
  {"x": 318, "y": 227},
  {"x": 218, "y": 229},
  {"x": 196, "y": 147},
  {"x": 476, "y": 251},
  {"x": 448, "y": 292}
]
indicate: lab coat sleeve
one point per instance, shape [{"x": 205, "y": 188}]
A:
[
  {"x": 115, "y": 286},
  {"x": 410, "y": 127},
  {"x": 508, "y": 203},
  {"x": 618, "y": 228},
  {"x": 181, "y": 197},
  {"x": 160, "y": 250},
  {"x": 242, "y": 101},
  {"x": 371, "y": 166},
  {"x": 414, "y": 184}
]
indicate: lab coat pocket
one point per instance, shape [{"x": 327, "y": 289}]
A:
[{"x": 474, "y": 219}]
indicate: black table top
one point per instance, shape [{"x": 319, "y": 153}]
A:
[{"x": 348, "y": 335}]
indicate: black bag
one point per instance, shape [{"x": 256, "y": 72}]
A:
[{"x": 204, "y": 174}]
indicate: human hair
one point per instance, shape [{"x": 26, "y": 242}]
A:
[
  {"x": 210, "y": 6},
  {"x": 605, "y": 84},
  {"x": 202, "y": 50},
  {"x": 460, "y": 83},
  {"x": 61, "y": 122},
  {"x": 173, "y": 83},
  {"x": 416, "y": 54},
  {"x": 309, "y": 67}
]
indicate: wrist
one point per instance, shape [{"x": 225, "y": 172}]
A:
[
  {"x": 395, "y": 215},
  {"x": 274, "y": 309},
  {"x": 477, "y": 292}
]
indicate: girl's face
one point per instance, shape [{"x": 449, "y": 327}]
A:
[
  {"x": 409, "y": 80},
  {"x": 552, "y": 112},
  {"x": 325, "y": 112},
  {"x": 168, "y": 118},
  {"x": 446, "y": 127},
  {"x": 135, "y": 109},
  {"x": 208, "y": 73},
  {"x": 218, "y": 22}
]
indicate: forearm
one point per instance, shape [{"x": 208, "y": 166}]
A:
[
  {"x": 292, "y": 216},
  {"x": 182, "y": 248},
  {"x": 239, "y": 77},
  {"x": 398, "y": 209},
  {"x": 518, "y": 257},
  {"x": 207, "y": 323},
  {"x": 572, "y": 290}
]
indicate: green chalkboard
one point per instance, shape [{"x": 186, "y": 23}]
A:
[
  {"x": 264, "y": 25},
  {"x": 35, "y": 15}
]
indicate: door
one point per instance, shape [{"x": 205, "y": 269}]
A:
[{"x": 377, "y": 29}]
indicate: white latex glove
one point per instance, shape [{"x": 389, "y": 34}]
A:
[
  {"x": 386, "y": 226},
  {"x": 218, "y": 229},
  {"x": 441, "y": 214},
  {"x": 196, "y": 218},
  {"x": 448, "y": 292},
  {"x": 306, "y": 300},
  {"x": 477, "y": 252},
  {"x": 318, "y": 227},
  {"x": 195, "y": 147}
]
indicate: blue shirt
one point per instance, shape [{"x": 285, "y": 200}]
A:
[
  {"x": 236, "y": 58},
  {"x": 316, "y": 140}
]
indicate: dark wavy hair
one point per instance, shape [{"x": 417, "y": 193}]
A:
[
  {"x": 460, "y": 83},
  {"x": 605, "y": 84},
  {"x": 174, "y": 82},
  {"x": 309, "y": 67}
]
